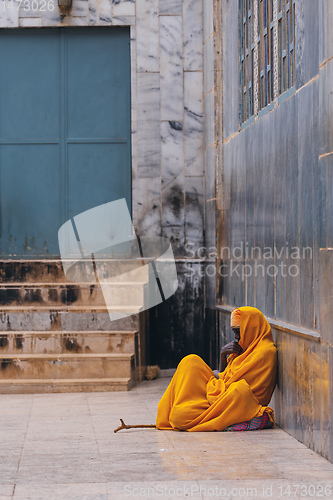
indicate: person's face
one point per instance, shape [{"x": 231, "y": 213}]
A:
[{"x": 236, "y": 331}]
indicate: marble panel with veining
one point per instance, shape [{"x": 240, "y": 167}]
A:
[
  {"x": 147, "y": 22},
  {"x": 80, "y": 8},
  {"x": 325, "y": 23},
  {"x": 30, "y": 22},
  {"x": 193, "y": 35},
  {"x": 171, "y": 7},
  {"x": 123, "y": 8},
  {"x": 171, "y": 70},
  {"x": 194, "y": 211},
  {"x": 193, "y": 122},
  {"x": 210, "y": 155},
  {"x": 123, "y": 20},
  {"x": 208, "y": 18},
  {"x": 105, "y": 13},
  {"x": 148, "y": 131},
  {"x": 28, "y": 9},
  {"x": 209, "y": 65},
  {"x": 147, "y": 206},
  {"x": 172, "y": 172},
  {"x": 9, "y": 17},
  {"x": 209, "y": 125}
]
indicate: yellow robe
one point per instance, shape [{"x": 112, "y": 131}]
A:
[{"x": 196, "y": 400}]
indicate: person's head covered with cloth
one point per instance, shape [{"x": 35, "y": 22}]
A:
[{"x": 257, "y": 362}]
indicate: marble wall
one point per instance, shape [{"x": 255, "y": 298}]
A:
[
  {"x": 167, "y": 141},
  {"x": 167, "y": 102},
  {"x": 274, "y": 204}
]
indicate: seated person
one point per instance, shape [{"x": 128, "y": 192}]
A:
[{"x": 198, "y": 399}]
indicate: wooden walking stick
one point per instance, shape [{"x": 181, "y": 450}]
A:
[{"x": 125, "y": 426}]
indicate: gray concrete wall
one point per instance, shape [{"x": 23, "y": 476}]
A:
[{"x": 274, "y": 196}]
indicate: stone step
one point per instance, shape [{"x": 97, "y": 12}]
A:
[
  {"x": 81, "y": 294},
  {"x": 46, "y": 271},
  {"x": 57, "y": 333},
  {"x": 45, "y": 386},
  {"x": 125, "y": 294},
  {"x": 69, "y": 309},
  {"x": 124, "y": 272},
  {"x": 67, "y": 366},
  {"x": 115, "y": 312},
  {"x": 60, "y": 320},
  {"x": 31, "y": 271},
  {"x": 18, "y": 342}
]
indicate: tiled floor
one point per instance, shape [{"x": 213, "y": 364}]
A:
[{"x": 62, "y": 446}]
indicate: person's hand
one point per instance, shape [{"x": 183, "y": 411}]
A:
[{"x": 231, "y": 348}]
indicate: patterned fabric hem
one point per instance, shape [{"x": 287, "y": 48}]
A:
[{"x": 254, "y": 424}]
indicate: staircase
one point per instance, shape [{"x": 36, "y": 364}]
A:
[{"x": 57, "y": 336}]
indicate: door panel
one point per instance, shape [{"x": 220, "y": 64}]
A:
[
  {"x": 30, "y": 214},
  {"x": 30, "y": 85},
  {"x": 97, "y": 96},
  {"x": 86, "y": 191}
]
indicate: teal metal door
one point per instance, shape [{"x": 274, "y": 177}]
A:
[{"x": 64, "y": 131}]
